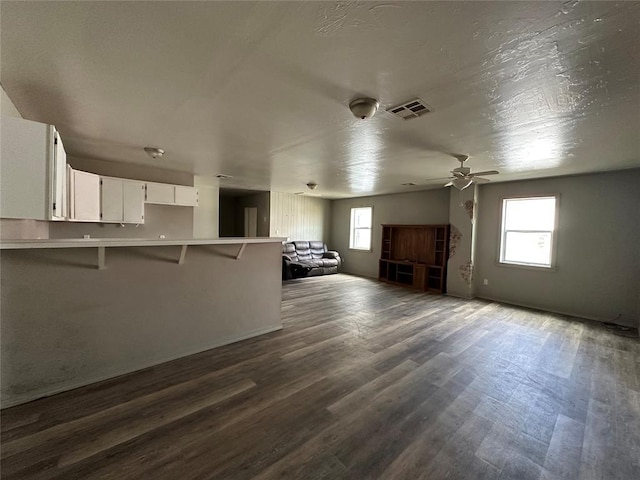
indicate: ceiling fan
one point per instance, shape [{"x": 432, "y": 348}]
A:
[{"x": 462, "y": 176}]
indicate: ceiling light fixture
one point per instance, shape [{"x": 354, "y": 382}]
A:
[
  {"x": 312, "y": 185},
  {"x": 154, "y": 152},
  {"x": 461, "y": 182},
  {"x": 364, "y": 108}
]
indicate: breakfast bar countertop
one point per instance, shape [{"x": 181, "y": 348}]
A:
[{"x": 130, "y": 242}]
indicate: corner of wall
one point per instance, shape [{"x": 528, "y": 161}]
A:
[
  {"x": 206, "y": 216},
  {"x": 462, "y": 237},
  {"x": 7, "y": 107}
]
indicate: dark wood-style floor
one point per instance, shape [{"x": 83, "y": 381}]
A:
[{"x": 366, "y": 381}]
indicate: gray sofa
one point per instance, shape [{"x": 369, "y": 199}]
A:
[{"x": 306, "y": 259}]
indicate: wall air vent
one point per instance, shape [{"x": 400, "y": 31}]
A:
[{"x": 412, "y": 109}]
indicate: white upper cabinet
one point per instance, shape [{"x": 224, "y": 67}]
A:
[
  {"x": 161, "y": 193},
  {"x": 133, "y": 201},
  {"x": 167, "y": 194},
  {"x": 93, "y": 198},
  {"x": 187, "y": 196},
  {"x": 84, "y": 196},
  {"x": 111, "y": 199},
  {"x": 32, "y": 171},
  {"x": 121, "y": 200},
  {"x": 37, "y": 184}
]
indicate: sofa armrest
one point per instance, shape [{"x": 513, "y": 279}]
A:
[
  {"x": 286, "y": 257},
  {"x": 331, "y": 254}
]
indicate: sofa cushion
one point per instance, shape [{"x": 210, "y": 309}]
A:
[
  {"x": 289, "y": 250},
  {"x": 329, "y": 262},
  {"x": 303, "y": 250},
  {"x": 317, "y": 249}
]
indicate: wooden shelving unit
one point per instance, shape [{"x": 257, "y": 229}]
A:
[{"x": 415, "y": 256}]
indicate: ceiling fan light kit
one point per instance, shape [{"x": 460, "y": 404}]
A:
[
  {"x": 364, "y": 108},
  {"x": 461, "y": 182},
  {"x": 462, "y": 176}
]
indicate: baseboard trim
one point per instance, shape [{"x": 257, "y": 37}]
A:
[
  {"x": 13, "y": 400},
  {"x": 460, "y": 296},
  {"x": 559, "y": 312}
]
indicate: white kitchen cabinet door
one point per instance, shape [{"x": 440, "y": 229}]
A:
[
  {"x": 111, "y": 199},
  {"x": 133, "y": 201},
  {"x": 32, "y": 184},
  {"x": 85, "y": 196},
  {"x": 161, "y": 193},
  {"x": 187, "y": 196},
  {"x": 59, "y": 180}
]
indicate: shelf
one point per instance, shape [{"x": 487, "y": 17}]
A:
[
  {"x": 414, "y": 255},
  {"x": 133, "y": 242},
  {"x": 102, "y": 243}
]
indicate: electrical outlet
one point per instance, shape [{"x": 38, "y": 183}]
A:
[{"x": 486, "y": 281}]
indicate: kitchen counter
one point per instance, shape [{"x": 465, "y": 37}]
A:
[{"x": 66, "y": 323}]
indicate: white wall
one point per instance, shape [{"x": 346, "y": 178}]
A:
[
  {"x": 299, "y": 218},
  {"x": 6, "y": 105},
  {"x": 598, "y": 249},
  {"x": 427, "y": 207},
  {"x": 205, "y": 215}
]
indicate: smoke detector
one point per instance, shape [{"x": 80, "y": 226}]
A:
[
  {"x": 154, "y": 152},
  {"x": 364, "y": 108}
]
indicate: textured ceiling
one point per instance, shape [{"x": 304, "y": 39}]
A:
[{"x": 261, "y": 90}]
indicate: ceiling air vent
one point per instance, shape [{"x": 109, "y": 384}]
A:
[{"x": 412, "y": 109}]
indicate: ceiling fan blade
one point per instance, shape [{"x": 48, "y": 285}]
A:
[
  {"x": 439, "y": 178},
  {"x": 480, "y": 180},
  {"x": 488, "y": 172},
  {"x": 449, "y": 184}
]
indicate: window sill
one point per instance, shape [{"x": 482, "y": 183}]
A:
[
  {"x": 360, "y": 249},
  {"x": 521, "y": 266}
]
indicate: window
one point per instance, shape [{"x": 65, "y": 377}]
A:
[
  {"x": 360, "y": 229},
  {"x": 528, "y": 226}
]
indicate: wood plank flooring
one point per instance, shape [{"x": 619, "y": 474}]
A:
[{"x": 365, "y": 381}]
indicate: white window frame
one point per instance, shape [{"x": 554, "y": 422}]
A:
[
  {"x": 352, "y": 229},
  {"x": 554, "y": 235}
]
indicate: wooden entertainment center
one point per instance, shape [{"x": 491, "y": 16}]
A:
[{"x": 415, "y": 256}]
